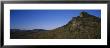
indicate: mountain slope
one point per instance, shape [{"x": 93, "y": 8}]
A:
[{"x": 84, "y": 26}]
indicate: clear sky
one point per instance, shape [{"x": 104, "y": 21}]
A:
[{"x": 44, "y": 19}]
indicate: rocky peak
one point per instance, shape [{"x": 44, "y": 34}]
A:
[{"x": 84, "y": 14}]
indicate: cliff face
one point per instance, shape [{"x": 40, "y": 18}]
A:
[{"x": 85, "y": 26}]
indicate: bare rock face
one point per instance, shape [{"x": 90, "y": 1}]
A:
[{"x": 84, "y": 14}]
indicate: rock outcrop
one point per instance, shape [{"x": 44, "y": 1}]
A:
[{"x": 85, "y": 26}]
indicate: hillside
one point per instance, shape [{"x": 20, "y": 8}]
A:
[{"x": 85, "y": 26}]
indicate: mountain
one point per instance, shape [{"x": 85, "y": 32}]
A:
[
  {"x": 39, "y": 30},
  {"x": 85, "y": 26},
  {"x": 34, "y": 30}
]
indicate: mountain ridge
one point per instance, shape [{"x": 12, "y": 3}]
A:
[{"x": 85, "y": 26}]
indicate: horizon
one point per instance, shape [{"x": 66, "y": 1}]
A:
[{"x": 44, "y": 19}]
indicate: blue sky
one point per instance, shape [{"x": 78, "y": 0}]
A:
[{"x": 44, "y": 19}]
